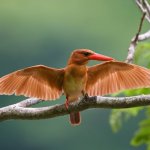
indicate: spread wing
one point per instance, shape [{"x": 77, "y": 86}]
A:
[
  {"x": 110, "y": 77},
  {"x": 37, "y": 81}
]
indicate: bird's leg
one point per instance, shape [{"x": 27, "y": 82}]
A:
[{"x": 67, "y": 103}]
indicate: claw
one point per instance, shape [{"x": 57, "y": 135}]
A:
[{"x": 86, "y": 96}]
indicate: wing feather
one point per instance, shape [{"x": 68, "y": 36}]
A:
[
  {"x": 113, "y": 76},
  {"x": 37, "y": 81}
]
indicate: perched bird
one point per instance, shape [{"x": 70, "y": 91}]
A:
[{"x": 76, "y": 79}]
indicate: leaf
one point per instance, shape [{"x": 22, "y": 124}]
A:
[
  {"x": 115, "y": 120},
  {"x": 142, "y": 55},
  {"x": 119, "y": 116},
  {"x": 142, "y": 136},
  {"x": 133, "y": 92}
]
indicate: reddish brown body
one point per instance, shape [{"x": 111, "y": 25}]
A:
[{"x": 75, "y": 79}]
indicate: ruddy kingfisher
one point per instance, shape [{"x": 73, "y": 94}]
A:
[{"x": 76, "y": 79}]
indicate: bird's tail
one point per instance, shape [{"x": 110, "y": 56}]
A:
[{"x": 75, "y": 118}]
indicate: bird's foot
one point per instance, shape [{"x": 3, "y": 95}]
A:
[{"x": 86, "y": 96}]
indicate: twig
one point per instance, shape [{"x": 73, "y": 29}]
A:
[
  {"x": 28, "y": 102},
  {"x": 134, "y": 42},
  {"x": 144, "y": 36},
  {"x": 140, "y": 28},
  {"x": 144, "y": 7}
]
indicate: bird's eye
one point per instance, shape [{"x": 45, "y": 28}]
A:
[{"x": 86, "y": 53}]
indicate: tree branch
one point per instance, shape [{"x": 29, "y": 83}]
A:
[{"x": 18, "y": 111}]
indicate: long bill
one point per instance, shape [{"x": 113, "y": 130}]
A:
[{"x": 99, "y": 57}]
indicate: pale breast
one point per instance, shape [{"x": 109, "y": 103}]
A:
[{"x": 74, "y": 81}]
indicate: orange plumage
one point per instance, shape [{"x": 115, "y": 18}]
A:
[{"x": 75, "y": 79}]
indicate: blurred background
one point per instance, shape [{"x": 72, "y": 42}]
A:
[{"x": 45, "y": 32}]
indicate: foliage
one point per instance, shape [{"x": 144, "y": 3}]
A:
[
  {"x": 142, "y": 136},
  {"x": 118, "y": 117}
]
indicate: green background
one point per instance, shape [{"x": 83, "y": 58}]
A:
[{"x": 45, "y": 32}]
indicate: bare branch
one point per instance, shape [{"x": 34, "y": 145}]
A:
[
  {"x": 28, "y": 102},
  {"x": 144, "y": 36},
  {"x": 131, "y": 50},
  {"x": 17, "y": 112},
  {"x": 145, "y": 8},
  {"x": 134, "y": 41}
]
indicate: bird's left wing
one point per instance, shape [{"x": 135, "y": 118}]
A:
[
  {"x": 112, "y": 76},
  {"x": 37, "y": 81}
]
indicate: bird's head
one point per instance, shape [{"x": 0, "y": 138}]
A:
[{"x": 82, "y": 56}]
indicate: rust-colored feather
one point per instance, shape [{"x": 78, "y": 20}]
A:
[
  {"x": 38, "y": 81},
  {"x": 112, "y": 76}
]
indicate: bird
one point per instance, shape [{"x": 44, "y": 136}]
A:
[{"x": 76, "y": 79}]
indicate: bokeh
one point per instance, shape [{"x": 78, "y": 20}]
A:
[{"x": 45, "y": 32}]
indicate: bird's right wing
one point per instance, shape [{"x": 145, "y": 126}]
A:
[
  {"x": 37, "y": 81},
  {"x": 112, "y": 76}
]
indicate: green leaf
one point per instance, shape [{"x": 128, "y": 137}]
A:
[
  {"x": 136, "y": 91},
  {"x": 119, "y": 116},
  {"x": 142, "y": 55},
  {"x": 115, "y": 120},
  {"x": 142, "y": 136}
]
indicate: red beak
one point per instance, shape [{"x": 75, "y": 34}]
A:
[{"x": 100, "y": 57}]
